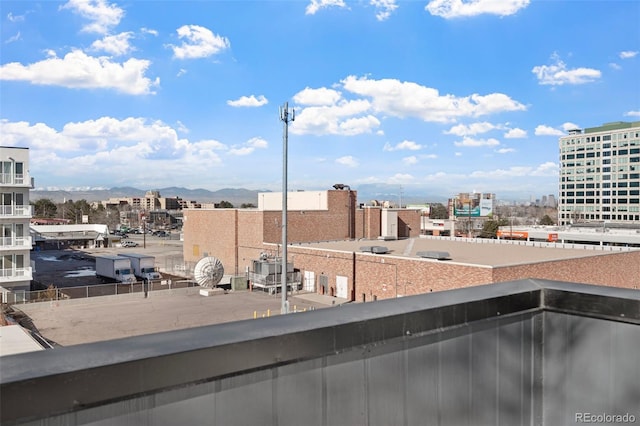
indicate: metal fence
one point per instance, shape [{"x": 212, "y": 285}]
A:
[{"x": 81, "y": 292}]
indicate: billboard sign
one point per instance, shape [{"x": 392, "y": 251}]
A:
[{"x": 476, "y": 207}]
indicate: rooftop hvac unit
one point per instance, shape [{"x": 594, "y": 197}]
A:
[
  {"x": 437, "y": 255},
  {"x": 374, "y": 249}
]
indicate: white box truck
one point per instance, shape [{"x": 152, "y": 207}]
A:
[
  {"x": 114, "y": 269},
  {"x": 143, "y": 265}
]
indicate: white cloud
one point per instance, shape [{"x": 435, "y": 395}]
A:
[
  {"x": 615, "y": 66},
  {"x": 103, "y": 16},
  {"x": 249, "y": 146},
  {"x": 358, "y": 125},
  {"x": 181, "y": 127},
  {"x": 384, "y": 8},
  {"x": 628, "y": 54},
  {"x": 348, "y": 161},
  {"x": 471, "y": 129},
  {"x": 404, "y": 145},
  {"x": 13, "y": 38},
  {"x": 344, "y": 118},
  {"x": 249, "y": 101},
  {"x": 515, "y": 133},
  {"x": 134, "y": 149},
  {"x": 569, "y": 126},
  {"x": 546, "y": 169},
  {"x": 408, "y": 99},
  {"x": 410, "y": 160},
  {"x": 317, "y": 97},
  {"x": 316, "y": 5},
  {"x": 181, "y": 72},
  {"x": 511, "y": 172},
  {"x": 543, "y": 130},
  {"x": 557, "y": 74},
  {"x": 632, "y": 114},
  {"x": 401, "y": 178},
  {"x": 258, "y": 143},
  {"x": 78, "y": 70},
  {"x": 471, "y": 142},
  {"x": 114, "y": 44},
  {"x": 458, "y": 8},
  {"x": 15, "y": 18},
  {"x": 505, "y": 150},
  {"x": 150, "y": 31},
  {"x": 198, "y": 42}
]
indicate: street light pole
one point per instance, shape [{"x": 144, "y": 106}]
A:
[{"x": 285, "y": 117}]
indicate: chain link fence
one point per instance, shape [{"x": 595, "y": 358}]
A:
[{"x": 80, "y": 292}]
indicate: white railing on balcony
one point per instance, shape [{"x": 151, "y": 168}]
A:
[
  {"x": 15, "y": 242},
  {"x": 15, "y": 210},
  {"x": 15, "y": 274},
  {"x": 14, "y": 179}
]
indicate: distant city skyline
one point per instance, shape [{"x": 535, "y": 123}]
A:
[{"x": 439, "y": 96}]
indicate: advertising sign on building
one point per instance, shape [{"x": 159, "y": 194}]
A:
[{"x": 476, "y": 205}]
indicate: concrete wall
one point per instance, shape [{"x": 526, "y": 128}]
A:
[{"x": 302, "y": 200}]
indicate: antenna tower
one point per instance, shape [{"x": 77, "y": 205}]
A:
[{"x": 286, "y": 117}]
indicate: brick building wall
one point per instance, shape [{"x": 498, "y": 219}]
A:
[
  {"x": 211, "y": 233},
  {"x": 408, "y": 223},
  {"x": 381, "y": 277},
  {"x": 612, "y": 269}
]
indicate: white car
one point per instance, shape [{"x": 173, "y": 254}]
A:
[{"x": 129, "y": 244}]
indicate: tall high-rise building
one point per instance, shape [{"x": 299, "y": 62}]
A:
[
  {"x": 15, "y": 215},
  {"x": 600, "y": 174}
]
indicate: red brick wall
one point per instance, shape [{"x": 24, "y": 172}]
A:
[
  {"x": 386, "y": 277},
  {"x": 614, "y": 269},
  {"x": 336, "y": 223},
  {"x": 408, "y": 223},
  {"x": 211, "y": 232}
]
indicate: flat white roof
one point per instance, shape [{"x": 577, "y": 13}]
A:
[{"x": 16, "y": 340}]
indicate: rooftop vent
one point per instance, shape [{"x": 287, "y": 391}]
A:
[
  {"x": 374, "y": 249},
  {"x": 438, "y": 255}
]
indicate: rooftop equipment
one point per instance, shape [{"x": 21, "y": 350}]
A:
[{"x": 437, "y": 255}]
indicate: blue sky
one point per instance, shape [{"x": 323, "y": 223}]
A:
[{"x": 438, "y": 96}]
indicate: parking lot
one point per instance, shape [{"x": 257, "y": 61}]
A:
[
  {"x": 76, "y": 267},
  {"x": 91, "y": 319}
]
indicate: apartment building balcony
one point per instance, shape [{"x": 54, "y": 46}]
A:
[
  {"x": 9, "y": 243},
  {"x": 15, "y": 211},
  {"x": 17, "y": 180},
  {"x": 527, "y": 352},
  {"x": 16, "y": 274}
]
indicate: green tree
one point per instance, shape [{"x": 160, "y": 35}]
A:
[
  {"x": 224, "y": 205},
  {"x": 491, "y": 227},
  {"x": 546, "y": 220},
  {"x": 438, "y": 211},
  {"x": 44, "y": 208},
  {"x": 247, "y": 206}
]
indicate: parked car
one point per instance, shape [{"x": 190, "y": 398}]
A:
[{"x": 129, "y": 243}]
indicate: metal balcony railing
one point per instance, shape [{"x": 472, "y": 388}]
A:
[
  {"x": 15, "y": 242},
  {"x": 16, "y": 274},
  {"x": 15, "y": 179},
  {"x": 15, "y": 210}
]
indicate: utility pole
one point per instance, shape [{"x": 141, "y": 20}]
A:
[{"x": 286, "y": 118}]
